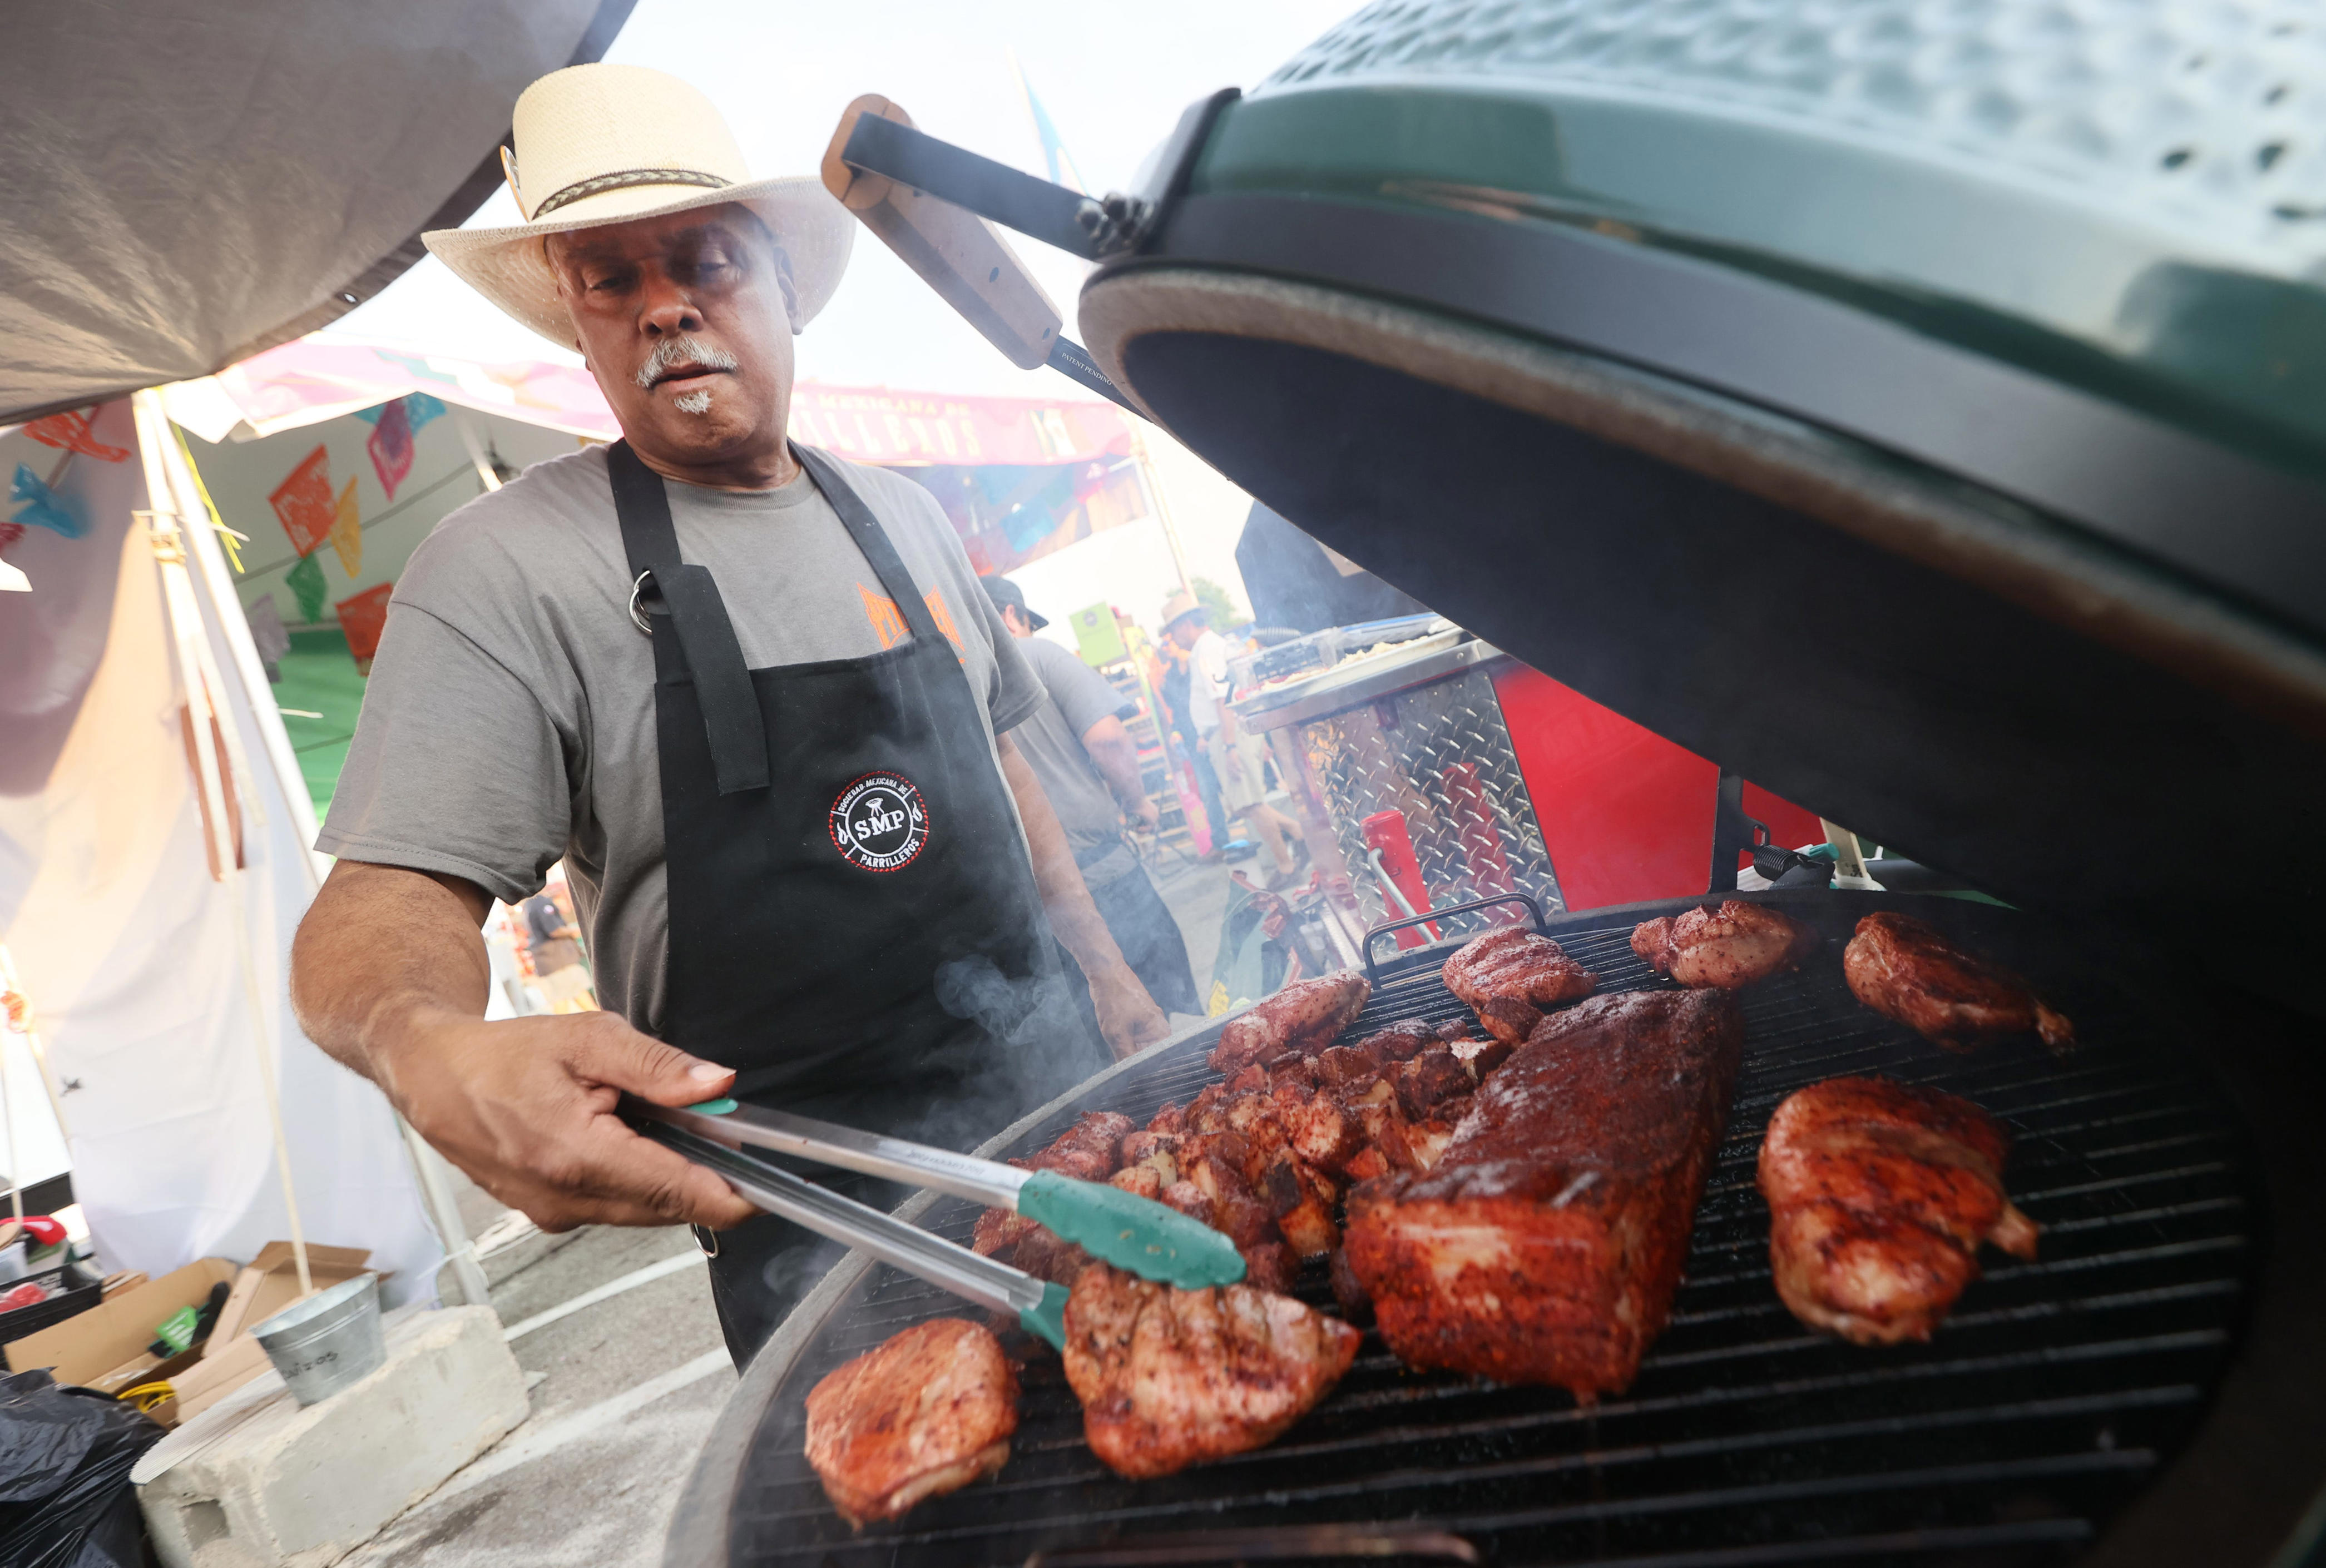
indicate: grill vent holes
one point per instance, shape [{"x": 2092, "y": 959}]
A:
[
  {"x": 2266, "y": 155},
  {"x": 2177, "y": 157}
]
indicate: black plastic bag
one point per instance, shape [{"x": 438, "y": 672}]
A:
[{"x": 65, "y": 1456}]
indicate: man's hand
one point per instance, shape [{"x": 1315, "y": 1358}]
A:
[
  {"x": 1145, "y": 816},
  {"x": 389, "y": 975},
  {"x": 1127, "y": 1015},
  {"x": 526, "y": 1107}
]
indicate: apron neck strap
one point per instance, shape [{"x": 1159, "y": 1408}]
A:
[
  {"x": 871, "y": 539},
  {"x": 695, "y": 614}
]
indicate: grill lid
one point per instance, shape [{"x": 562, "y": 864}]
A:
[{"x": 1916, "y": 411}]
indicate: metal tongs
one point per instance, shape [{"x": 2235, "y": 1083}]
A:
[{"x": 1130, "y": 1232}]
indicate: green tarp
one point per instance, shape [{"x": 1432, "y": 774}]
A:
[{"x": 319, "y": 677}]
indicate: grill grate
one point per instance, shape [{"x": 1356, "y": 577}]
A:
[{"x": 2050, "y": 1397}]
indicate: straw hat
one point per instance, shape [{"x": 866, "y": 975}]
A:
[
  {"x": 605, "y": 143},
  {"x": 1179, "y": 606}
]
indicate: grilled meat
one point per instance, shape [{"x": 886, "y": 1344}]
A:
[
  {"x": 1173, "y": 1378},
  {"x": 1089, "y": 1151},
  {"x": 1401, "y": 1040},
  {"x": 1904, "y": 969},
  {"x": 1732, "y": 946},
  {"x": 1508, "y": 976},
  {"x": 1879, "y": 1195},
  {"x": 928, "y": 1412},
  {"x": 1303, "y": 1019},
  {"x": 1545, "y": 1244}
]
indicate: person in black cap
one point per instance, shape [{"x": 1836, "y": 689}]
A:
[{"x": 1085, "y": 762}]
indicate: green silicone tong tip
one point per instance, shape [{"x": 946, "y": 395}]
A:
[
  {"x": 1049, "y": 1321},
  {"x": 1130, "y": 1232}
]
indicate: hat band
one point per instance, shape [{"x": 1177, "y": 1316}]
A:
[{"x": 598, "y": 184}]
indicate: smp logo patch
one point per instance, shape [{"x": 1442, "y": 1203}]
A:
[{"x": 879, "y": 822}]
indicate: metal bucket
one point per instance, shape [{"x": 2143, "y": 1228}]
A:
[{"x": 327, "y": 1341}]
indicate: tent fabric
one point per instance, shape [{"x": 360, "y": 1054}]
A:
[
  {"x": 131, "y": 951},
  {"x": 182, "y": 186}
]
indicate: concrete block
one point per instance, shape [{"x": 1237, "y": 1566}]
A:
[{"x": 258, "y": 1483}]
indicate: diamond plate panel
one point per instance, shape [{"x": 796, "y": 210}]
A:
[{"x": 1441, "y": 756}]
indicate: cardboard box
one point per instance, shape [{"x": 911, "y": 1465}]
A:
[
  {"x": 225, "y": 1366},
  {"x": 270, "y": 1282},
  {"x": 115, "y": 1333}
]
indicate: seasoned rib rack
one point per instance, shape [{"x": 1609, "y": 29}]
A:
[{"x": 2053, "y": 1393}]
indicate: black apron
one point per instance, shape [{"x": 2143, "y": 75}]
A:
[{"x": 854, "y": 926}]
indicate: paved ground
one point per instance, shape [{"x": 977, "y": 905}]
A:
[{"x": 626, "y": 1372}]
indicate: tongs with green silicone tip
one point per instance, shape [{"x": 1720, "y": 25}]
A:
[
  {"x": 1037, "y": 1305},
  {"x": 1133, "y": 1233}
]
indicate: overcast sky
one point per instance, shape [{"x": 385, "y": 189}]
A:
[{"x": 1114, "y": 75}]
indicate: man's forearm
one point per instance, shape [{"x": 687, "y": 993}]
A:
[
  {"x": 1117, "y": 761},
  {"x": 380, "y": 944},
  {"x": 1072, "y": 916}
]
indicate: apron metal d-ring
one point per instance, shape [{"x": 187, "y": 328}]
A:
[
  {"x": 707, "y": 1240},
  {"x": 638, "y": 612}
]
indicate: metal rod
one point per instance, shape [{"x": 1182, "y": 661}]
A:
[
  {"x": 1072, "y": 360},
  {"x": 849, "y": 1149},
  {"x": 857, "y": 1225}
]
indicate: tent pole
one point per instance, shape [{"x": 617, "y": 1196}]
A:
[
  {"x": 163, "y": 523},
  {"x": 444, "y": 1208},
  {"x": 12, "y": 986},
  {"x": 428, "y": 1166},
  {"x": 16, "y": 1180},
  {"x": 1162, "y": 508}
]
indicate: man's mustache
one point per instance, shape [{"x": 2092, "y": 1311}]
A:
[{"x": 671, "y": 353}]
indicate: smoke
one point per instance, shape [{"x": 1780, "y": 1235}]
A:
[
  {"x": 673, "y": 352},
  {"x": 1041, "y": 1044}
]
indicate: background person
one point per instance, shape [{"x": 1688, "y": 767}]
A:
[
  {"x": 1089, "y": 768},
  {"x": 552, "y": 941},
  {"x": 1239, "y": 758}
]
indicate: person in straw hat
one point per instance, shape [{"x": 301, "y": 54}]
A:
[{"x": 750, "y": 694}]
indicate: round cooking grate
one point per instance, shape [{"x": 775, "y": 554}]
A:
[{"x": 2051, "y": 1396}]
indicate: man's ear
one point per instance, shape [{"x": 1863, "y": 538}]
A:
[{"x": 791, "y": 289}]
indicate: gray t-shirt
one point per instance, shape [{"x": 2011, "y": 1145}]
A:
[
  {"x": 510, "y": 716},
  {"x": 1051, "y": 739}
]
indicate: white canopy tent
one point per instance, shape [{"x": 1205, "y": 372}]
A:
[
  {"x": 181, "y": 188},
  {"x": 154, "y": 865}
]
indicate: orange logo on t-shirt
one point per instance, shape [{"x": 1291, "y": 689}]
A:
[{"x": 889, "y": 622}]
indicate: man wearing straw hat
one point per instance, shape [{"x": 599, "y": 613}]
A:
[{"x": 752, "y": 696}]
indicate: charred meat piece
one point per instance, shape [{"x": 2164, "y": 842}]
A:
[
  {"x": 1724, "y": 949},
  {"x": 1188, "y": 1199},
  {"x": 1508, "y": 976},
  {"x": 1402, "y": 1039},
  {"x": 1481, "y": 1056},
  {"x": 1879, "y": 1195},
  {"x": 1173, "y": 1378},
  {"x": 1301, "y": 1019},
  {"x": 1545, "y": 1244},
  {"x": 1042, "y": 1253},
  {"x": 1905, "y": 970},
  {"x": 928, "y": 1412},
  {"x": 1090, "y": 1151},
  {"x": 1434, "y": 1075},
  {"x": 1346, "y": 1067},
  {"x": 1327, "y": 1133},
  {"x": 1139, "y": 1180}
]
